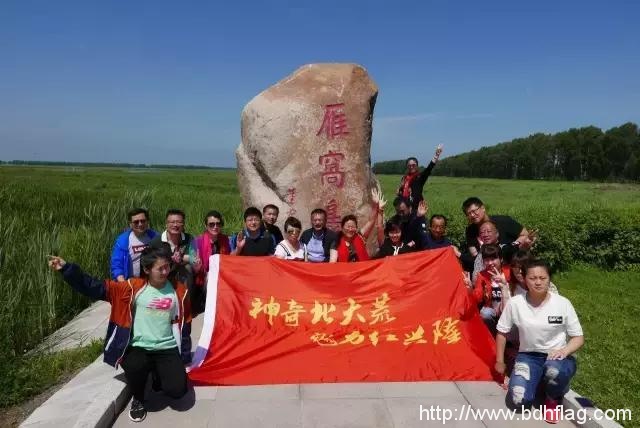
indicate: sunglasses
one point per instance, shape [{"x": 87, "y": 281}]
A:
[
  {"x": 293, "y": 231},
  {"x": 139, "y": 221},
  {"x": 214, "y": 224}
]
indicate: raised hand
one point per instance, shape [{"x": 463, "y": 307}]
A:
[
  {"x": 423, "y": 208},
  {"x": 240, "y": 241},
  {"x": 382, "y": 202},
  {"x": 498, "y": 276},
  {"x": 377, "y": 198},
  {"x": 56, "y": 263},
  {"x": 437, "y": 154}
]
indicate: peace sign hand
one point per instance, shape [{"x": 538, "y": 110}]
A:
[
  {"x": 498, "y": 276},
  {"x": 466, "y": 278}
]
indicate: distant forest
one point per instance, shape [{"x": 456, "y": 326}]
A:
[
  {"x": 107, "y": 165},
  {"x": 577, "y": 154}
]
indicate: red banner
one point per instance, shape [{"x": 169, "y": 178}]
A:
[{"x": 403, "y": 318}]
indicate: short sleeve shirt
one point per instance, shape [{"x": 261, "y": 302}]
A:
[
  {"x": 136, "y": 246},
  {"x": 543, "y": 328},
  {"x": 154, "y": 311}
]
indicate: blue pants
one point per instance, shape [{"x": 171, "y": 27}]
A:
[{"x": 530, "y": 369}]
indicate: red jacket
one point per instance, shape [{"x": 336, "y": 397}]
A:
[
  {"x": 122, "y": 296},
  {"x": 482, "y": 286}
]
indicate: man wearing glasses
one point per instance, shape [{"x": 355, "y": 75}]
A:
[
  {"x": 254, "y": 239},
  {"x": 174, "y": 235},
  {"x": 125, "y": 256},
  {"x": 510, "y": 231}
]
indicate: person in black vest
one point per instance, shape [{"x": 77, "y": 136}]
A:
[
  {"x": 255, "y": 239},
  {"x": 412, "y": 183},
  {"x": 318, "y": 239}
]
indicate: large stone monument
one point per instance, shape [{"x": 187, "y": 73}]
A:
[{"x": 306, "y": 144}]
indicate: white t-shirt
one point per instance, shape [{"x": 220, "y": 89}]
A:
[
  {"x": 136, "y": 246},
  {"x": 543, "y": 328},
  {"x": 520, "y": 290},
  {"x": 496, "y": 296},
  {"x": 284, "y": 251}
]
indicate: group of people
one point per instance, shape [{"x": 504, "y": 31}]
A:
[{"x": 158, "y": 284}]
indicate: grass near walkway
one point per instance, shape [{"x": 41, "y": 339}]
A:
[
  {"x": 608, "y": 305},
  {"x": 27, "y": 377}
]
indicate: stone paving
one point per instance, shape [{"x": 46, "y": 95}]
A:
[
  {"x": 352, "y": 405},
  {"x": 97, "y": 394}
]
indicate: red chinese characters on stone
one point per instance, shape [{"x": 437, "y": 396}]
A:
[
  {"x": 332, "y": 174},
  {"x": 291, "y": 200},
  {"x": 334, "y": 124},
  {"x": 333, "y": 217}
]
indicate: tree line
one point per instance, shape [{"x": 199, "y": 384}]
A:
[{"x": 577, "y": 154}]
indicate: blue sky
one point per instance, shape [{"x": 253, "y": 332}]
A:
[{"x": 165, "y": 82}]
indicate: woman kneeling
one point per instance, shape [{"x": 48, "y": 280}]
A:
[
  {"x": 544, "y": 321},
  {"x": 149, "y": 327}
]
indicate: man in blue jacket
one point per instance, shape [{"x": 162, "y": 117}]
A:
[{"x": 125, "y": 256}]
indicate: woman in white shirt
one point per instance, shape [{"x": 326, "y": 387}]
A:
[
  {"x": 290, "y": 248},
  {"x": 550, "y": 333}
]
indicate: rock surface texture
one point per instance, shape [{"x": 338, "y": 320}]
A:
[{"x": 306, "y": 144}]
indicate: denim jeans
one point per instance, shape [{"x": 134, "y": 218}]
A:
[{"x": 530, "y": 369}]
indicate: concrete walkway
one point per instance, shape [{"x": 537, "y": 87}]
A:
[{"x": 367, "y": 405}]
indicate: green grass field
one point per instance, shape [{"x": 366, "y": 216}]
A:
[
  {"x": 77, "y": 212},
  {"x": 609, "y": 362}
]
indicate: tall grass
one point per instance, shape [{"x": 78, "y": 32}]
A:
[
  {"x": 78, "y": 213},
  {"x": 36, "y": 302}
]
